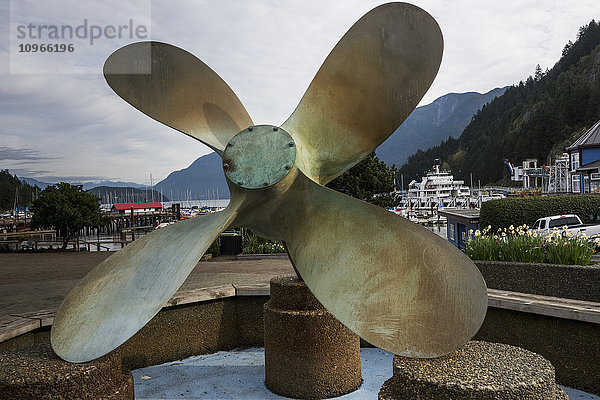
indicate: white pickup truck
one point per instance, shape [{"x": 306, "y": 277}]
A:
[{"x": 571, "y": 221}]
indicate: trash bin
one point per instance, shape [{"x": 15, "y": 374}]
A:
[{"x": 231, "y": 244}]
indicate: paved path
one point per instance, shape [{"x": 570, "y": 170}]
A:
[{"x": 32, "y": 282}]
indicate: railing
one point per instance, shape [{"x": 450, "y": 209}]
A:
[
  {"x": 75, "y": 245},
  {"x": 97, "y": 244}
]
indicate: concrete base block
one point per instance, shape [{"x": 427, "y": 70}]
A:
[
  {"x": 36, "y": 372},
  {"x": 309, "y": 354},
  {"x": 477, "y": 371}
]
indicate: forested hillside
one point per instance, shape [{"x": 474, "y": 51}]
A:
[
  {"x": 12, "y": 187},
  {"x": 536, "y": 118}
]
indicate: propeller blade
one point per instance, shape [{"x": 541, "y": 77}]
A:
[
  {"x": 120, "y": 295},
  {"x": 176, "y": 88},
  {"x": 394, "y": 283},
  {"x": 370, "y": 82}
]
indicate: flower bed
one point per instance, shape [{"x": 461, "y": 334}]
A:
[
  {"x": 525, "y": 245},
  {"x": 254, "y": 244}
]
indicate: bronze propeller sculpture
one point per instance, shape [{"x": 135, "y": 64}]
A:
[{"x": 394, "y": 283}]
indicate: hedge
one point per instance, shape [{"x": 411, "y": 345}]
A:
[{"x": 502, "y": 213}]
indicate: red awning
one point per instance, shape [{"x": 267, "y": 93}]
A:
[{"x": 136, "y": 206}]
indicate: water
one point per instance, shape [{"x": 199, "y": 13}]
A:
[
  {"x": 219, "y": 203},
  {"x": 439, "y": 230}
]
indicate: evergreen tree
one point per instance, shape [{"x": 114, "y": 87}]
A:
[
  {"x": 370, "y": 180},
  {"x": 11, "y": 188},
  {"x": 67, "y": 208}
]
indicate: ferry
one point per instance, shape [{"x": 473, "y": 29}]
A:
[{"x": 438, "y": 189}]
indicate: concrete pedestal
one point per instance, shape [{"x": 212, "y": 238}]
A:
[
  {"x": 36, "y": 372},
  {"x": 309, "y": 354},
  {"x": 477, "y": 371}
]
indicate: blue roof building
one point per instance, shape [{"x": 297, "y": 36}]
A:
[{"x": 584, "y": 156}]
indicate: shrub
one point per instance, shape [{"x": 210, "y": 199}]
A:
[
  {"x": 215, "y": 247},
  {"x": 518, "y": 211}
]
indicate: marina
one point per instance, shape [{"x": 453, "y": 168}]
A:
[{"x": 437, "y": 191}]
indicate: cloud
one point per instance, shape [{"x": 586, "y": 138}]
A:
[
  {"x": 267, "y": 51},
  {"x": 9, "y": 153}
]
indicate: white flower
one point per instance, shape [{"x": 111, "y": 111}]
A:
[{"x": 477, "y": 233}]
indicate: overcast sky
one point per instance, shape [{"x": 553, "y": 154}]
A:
[{"x": 59, "y": 120}]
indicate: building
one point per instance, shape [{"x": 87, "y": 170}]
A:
[
  {"x": 584, "y": 156},
  {"x": 560, "y": 180},
  {"x": 529, "y": 173},
  {"x": 138, "y": 208},
  {"x": 460, "y": 222}
]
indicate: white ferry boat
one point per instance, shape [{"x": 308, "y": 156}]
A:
[{"x": 438, "y": 189}]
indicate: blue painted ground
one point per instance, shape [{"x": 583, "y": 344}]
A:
[{"x": 239, "y": 374}]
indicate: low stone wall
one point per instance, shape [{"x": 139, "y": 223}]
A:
[
  {"x": 565, "y": 281},
  {"x": 192, "y": 329}
]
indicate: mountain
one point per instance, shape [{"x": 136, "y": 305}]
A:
[
  {"x": 112, "y": 184},
  {"x": 35, "y": 182},
  {"x": 425, "y": 127},
  {"x": 431, "y": 124},
  {"x": 86, "y": 185},
  {"x": 116, "y": 195},
  {"x": 203, "y": 179},
  {"x": 536, "y": 118}
]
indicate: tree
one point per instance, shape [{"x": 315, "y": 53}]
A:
[
  {"x": 68, "y": 209},
  {"x": 13, "y": 190},
  {"x": 538, "y": 73},
  {"x": 370, "y": 180}
]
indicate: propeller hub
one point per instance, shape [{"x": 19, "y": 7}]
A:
[{"x": 259, "y": 156}]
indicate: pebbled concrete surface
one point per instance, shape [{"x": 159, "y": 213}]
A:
[
  {"x": 239, "y": 374},
  {"x": 36, "y": 372}
]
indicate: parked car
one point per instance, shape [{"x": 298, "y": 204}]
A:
[{"x": 572, "y": 223}]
